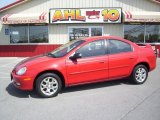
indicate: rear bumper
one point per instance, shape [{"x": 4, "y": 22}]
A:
[{"x": 153, "y": 64}]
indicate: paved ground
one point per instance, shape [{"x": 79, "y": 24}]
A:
[{"x": 116, "y": 100}]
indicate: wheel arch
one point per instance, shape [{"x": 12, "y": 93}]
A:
[
  {"x": 51, "y": 71},
  {"x": 143, "y": 63}
]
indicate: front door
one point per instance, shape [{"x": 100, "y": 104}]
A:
[{"x": 93, "y": 66}]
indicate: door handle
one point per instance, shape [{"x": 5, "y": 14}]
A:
[
  {"x": 101, "y": 62},
  {"x": 131, "y": 58}
]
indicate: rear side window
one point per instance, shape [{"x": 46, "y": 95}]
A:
[{"x": 117, "y": 46}]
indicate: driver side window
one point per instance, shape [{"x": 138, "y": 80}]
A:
[{"x": 95, "y": 48}]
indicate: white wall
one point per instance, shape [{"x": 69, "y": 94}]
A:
[
  {"x": 4, "y": 39},
  {"x": 58, "y": 33}
]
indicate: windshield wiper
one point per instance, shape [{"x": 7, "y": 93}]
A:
[{"x": 51, "y": 55}]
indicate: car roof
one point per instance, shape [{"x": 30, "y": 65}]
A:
[
  {"x": 90, "y": 39},
  {"x": 103, "y": 38}
]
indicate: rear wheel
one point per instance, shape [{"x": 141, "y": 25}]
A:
[
  {"x": 139, "y": 74},
  {"x": 48, "y": 85}
]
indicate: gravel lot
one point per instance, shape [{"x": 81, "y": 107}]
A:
[{"x": 115, "y": 100}]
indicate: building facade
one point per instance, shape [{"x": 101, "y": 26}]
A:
[{"x": 32, "y": 27}]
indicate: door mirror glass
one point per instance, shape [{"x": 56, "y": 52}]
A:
[{"x": 75, "y": 56}]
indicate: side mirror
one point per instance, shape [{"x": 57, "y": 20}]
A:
[{"x": 75, "y": 56}]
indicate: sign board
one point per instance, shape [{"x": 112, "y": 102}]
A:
[
  {"x": 15, "y": 33},
  {"x": 102, "y": 15},
  {"x": 7, "y": 31}
]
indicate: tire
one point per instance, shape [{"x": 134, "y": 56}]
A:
[
  {"x": 139, "y": 74},
  {"x": 48, "y": 85}
]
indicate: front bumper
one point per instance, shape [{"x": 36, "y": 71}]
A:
[{"x": 23, "y": 82}]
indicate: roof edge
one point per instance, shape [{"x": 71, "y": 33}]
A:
[
  {"x": 16, "y": 3},
  {"x": 156, "y": 1}
]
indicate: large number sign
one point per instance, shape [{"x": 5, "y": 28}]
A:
[{"x": 104, "y": 15}]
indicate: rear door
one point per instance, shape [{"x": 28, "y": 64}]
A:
[{"x": 121, "y": 58}]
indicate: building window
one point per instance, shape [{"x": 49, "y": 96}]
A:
[
  {"x": 96, "y": 31},
  {"x": 38, "y": 34},
  {"x": 135, "y": 33},
  {"x": 83, "y": 32},
  {"x": 75, "y": 33},
  {"x": 28, "y": 34},
  {"x": 19, "y": 34},
  {"x": 152, "y": 34},
  {"x": 142, "y": 33}
]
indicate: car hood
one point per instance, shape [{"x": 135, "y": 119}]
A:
[{"x": 36, "y": 60}]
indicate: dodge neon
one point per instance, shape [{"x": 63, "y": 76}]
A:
[{"x": 89, "y": 60}]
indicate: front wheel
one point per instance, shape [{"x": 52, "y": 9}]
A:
[
  {"x": 48, "y": 85},
  {"x": 139, "y": 74}
]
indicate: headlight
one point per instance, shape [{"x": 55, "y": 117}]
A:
[{"x": 21, "y": 71}]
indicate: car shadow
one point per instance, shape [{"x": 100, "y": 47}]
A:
[
  {"x": 13, "y": 91},
  {"x": 95, "y": 85},
  {"x": 26, "y": 94}
]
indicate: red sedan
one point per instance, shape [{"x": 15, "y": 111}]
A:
[{"x": 84, "y": 61}]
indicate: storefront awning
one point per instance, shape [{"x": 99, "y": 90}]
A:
[
  {"x": 137, "y": 16},
  {"x": 25, "y": 18}
]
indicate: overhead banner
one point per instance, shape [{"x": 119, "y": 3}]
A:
[
  {"x": 103, "y": 15},
  {"x": 25, "y": 18},
  {"x": 141, "y": 16}
]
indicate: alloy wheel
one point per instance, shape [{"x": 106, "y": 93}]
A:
[
  {"x": 140, "y": 74},
  {"x": 49, "y": 86}
]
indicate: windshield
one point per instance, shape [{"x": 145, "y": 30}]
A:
[{"x": 66, "y": 48}]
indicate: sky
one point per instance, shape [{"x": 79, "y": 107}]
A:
[{"x": 5, "y": 2}]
